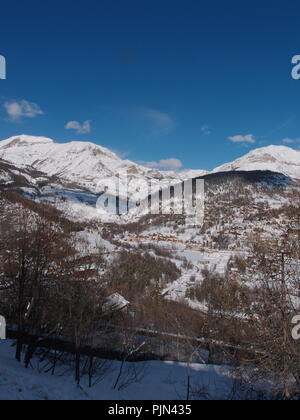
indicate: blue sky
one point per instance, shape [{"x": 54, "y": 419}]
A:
[{"x": 200, "y": 81}]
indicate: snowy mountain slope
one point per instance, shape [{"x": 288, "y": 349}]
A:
[
  {"x": 280, "y": 159},
  {"x": 72, "y": 175},
  {"x": 86, "y": 163},
  {"x": 82, "y": 163},
  {"x": 16, "y": 177},
  {"x": 38, "y": 186}
]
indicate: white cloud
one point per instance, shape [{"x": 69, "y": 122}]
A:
[
  {"x": 249, "y": 138},
  {"x": 171, "y": 164},
  {"x": 22, "y": 109},
  {"x": 206, "y": 130},
  {"x": 83, "y": 128},
  {"x": 288, "y": 140}
]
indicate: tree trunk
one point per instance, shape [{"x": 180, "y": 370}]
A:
[
  {"x": 30, "y": 350},
  {"x": 77, "y": 367},
  {"x": 19, "y": 346},
  {"x": 91, "y": 371}
]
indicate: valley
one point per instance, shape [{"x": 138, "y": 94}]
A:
[{"x": 190, "y": 293}]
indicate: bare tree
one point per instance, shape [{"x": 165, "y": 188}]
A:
[
  {"x": 276, "y": 269},
  {"x": 34, "y": 249}
]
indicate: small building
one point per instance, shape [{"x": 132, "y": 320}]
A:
[{"x": 114, "y": 303}]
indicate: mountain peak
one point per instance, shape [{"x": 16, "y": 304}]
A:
[
  {"x": 85, "y": 163},
  {"x": 80, "y": 163},
  {"x": 282, "y": 159},
  {"x": 277, "y": 151},
  {"x": 25, "y": 139}
]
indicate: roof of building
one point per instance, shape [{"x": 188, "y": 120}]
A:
[{"x": 114, "y": 303}]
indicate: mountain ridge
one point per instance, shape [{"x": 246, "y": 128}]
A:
[
  {"x": 86, "y": 163},
  {"x": 73, "y": 175}
]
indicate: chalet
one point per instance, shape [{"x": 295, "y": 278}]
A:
[{"x": 114, "y": 303}]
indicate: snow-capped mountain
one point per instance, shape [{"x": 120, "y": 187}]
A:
[
  {"x": 74, "y": 174},
  {"x": 281, "y": 159},
  {"x": 85, "y": 164},
  {"x": 81, "y": 163}
]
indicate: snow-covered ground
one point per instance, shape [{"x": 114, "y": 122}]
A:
[
  {"x": 156, "y": 381},
  {"x": 214, "y": 261}
]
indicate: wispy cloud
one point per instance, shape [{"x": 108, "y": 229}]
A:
[
  {"x": 290, "y": 141},
  {"x": 161, "y": 123},
  {"x": 121, "y": 154},
  {"x": 284, "y": 124},
  {"x": 206, "y": 130},
  {"x": 249, "y": 138},
  {"x": 17, "y": 110},
  {"x": 171, "y": 164},
  {"x": 83, "y": 128}
]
